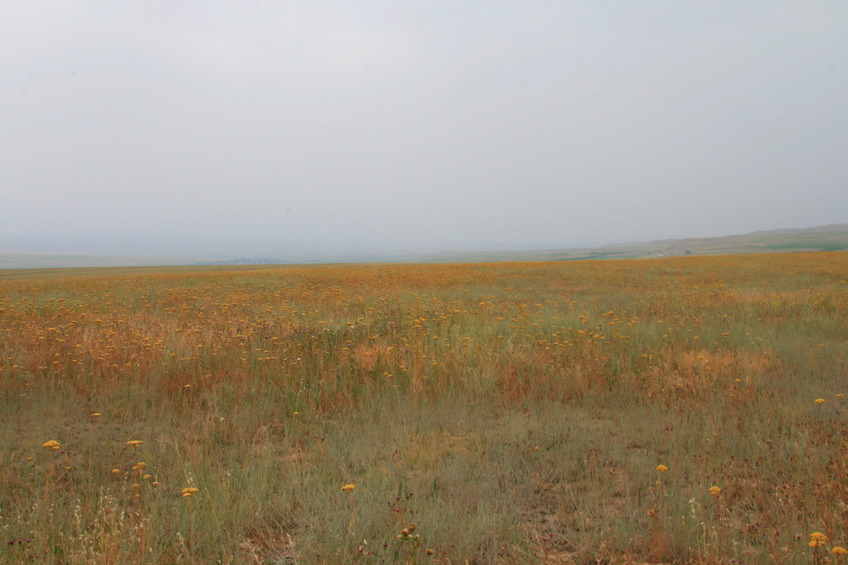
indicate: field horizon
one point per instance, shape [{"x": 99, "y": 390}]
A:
[
  {"x": 666, "y": 410},
  {"x": 22, "y": 254}
]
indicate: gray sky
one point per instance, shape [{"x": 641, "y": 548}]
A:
[{"x": 428, "y": 124}]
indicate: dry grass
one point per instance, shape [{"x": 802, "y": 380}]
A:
[{"x": 515, "y": 413}]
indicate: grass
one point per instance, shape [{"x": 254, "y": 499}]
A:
[{"x": 514, "y": 412}]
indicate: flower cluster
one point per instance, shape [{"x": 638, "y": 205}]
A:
[
  {"x": 188, "y": 492},
  {"x": 817, "y": 539}
]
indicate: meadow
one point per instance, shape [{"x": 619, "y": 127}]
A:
[{"x": 677, "y": 410}]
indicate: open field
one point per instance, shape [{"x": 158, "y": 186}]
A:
[{"x": 575, "y": 412}]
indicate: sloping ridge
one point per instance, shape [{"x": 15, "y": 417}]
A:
[
  {"x": 824, "y": 238},
  {"x": 832, "y": 237}
]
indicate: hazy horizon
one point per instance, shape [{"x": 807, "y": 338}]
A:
[
  {"x": 241, "y": 248},
  {"x": 261, "y": 128},
  {"x": 198, "y": 250}
]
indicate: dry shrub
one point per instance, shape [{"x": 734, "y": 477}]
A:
[
  {"x": 705, "y": 374},
  {"x": 368, "y": 356}
]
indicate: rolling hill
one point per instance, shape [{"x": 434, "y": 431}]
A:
[{"x": 822, "y": 238}]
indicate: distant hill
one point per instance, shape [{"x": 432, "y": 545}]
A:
[
  {"x": 822, "y": 238},
  {"x": 32, "y": 260}
]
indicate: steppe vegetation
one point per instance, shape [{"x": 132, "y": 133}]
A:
[{"x": 685, "y": 410}]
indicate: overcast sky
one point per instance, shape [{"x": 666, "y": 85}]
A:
[{"x": 437, "y": 124}]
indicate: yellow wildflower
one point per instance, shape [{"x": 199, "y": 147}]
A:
[
  {"x": 820, "y": 401},
  {"x": 662, "y": 468},
  {"x": 817, "y": 539},
  {"x": 52, "y": 444},
  {"x": 715, "y": 491},
  {"x": 838, "y": 550},
  {"x": 349, "y": 487}
]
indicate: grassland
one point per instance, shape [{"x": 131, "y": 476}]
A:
[{"x": 685, "y": 410}]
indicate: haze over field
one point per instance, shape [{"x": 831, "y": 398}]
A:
[{"x": 328, "y": 127}]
